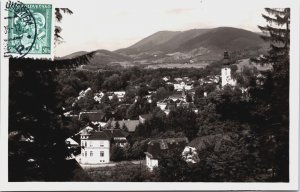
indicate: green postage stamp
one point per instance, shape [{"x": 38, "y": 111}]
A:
[{"x": 30, "y": 31}]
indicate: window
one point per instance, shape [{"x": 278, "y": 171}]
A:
[
  {"x": 85, "y": 144},
  {"x": 101, "y": 153},
  {"x": 82, "y": 154},
  {"x": 86, "y": 153},
  {"x": 91, "y": 153},
  {"x": 91, "y": 144},
  {"x": 101, "y": 143}
]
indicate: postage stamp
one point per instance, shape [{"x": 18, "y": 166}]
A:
[{"x": 29, "y": 30}]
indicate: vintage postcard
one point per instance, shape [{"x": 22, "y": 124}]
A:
[{"x": 149, "y": 95}]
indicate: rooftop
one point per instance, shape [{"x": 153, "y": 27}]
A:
[
  {"x": 99, "y": 135},
  {"x": 94, "y": 116},
  {"x": 157, "y": 147}
]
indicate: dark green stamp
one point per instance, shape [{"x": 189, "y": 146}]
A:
[{"x": 30, "y": 29}]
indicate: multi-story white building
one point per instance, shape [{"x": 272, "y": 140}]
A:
[{"x": 95, "y": 147}]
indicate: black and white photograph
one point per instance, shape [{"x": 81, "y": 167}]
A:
[{"x": 151, "y": 95}]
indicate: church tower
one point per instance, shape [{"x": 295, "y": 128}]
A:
[{"x": 226, "y": 71}]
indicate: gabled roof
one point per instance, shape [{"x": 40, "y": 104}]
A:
[
  {"x": 158, "y": 146},
  {"x": 94, "y": 116},
  {"x": 85, "y": 130},
  {"x": 71, "y": 141},
  {"x": 99, "y": 135}
]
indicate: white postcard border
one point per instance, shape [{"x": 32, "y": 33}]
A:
[{"x": 147, "y": 186}]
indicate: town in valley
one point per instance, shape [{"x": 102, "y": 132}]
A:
[{"x": 201, "y": 105}]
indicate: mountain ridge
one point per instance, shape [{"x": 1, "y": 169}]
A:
[{"x": 180, "y": 46}]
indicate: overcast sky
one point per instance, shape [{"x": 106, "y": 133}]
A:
[{"x": 114, "y": 24}]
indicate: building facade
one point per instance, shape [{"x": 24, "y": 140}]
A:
[{"x": 95, "y": 147}]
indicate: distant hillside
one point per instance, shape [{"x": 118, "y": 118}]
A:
[
  {"x": 102, "y": 57},
  {"x": 75, "y": 54},
  {"x": 195, "y": 46},
  {"x": 149, "y": 43},
  {"x": 224, "y": 38},
  {"x": 175, "y": 42},
  {"x": 162, "y": 41}
]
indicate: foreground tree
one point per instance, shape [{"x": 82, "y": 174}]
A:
[
  {"x": 37, "y": 148},
  {"x": 274, "y": 136}
]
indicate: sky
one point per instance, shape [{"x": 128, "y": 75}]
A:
[{"x": 115, "y": 24}]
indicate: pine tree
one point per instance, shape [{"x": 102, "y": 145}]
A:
[
  {"x": 277, "y": 33},
  {"x": 35, "y": 110},
  {"x": 274, "y": 134}
]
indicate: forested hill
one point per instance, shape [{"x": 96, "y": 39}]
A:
[{"x": 180, "y": 46}]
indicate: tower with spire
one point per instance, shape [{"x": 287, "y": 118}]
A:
[{"x": 226, "y": 71}]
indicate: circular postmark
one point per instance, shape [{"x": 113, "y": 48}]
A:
[{"x": 22, "y": 29}]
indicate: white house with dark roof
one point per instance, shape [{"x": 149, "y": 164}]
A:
[
  {"x": 95, "y": 147},
  {"x": 95, "y": 144}
]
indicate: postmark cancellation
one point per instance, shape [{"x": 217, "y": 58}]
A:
[{"x": 28, "y": 29}]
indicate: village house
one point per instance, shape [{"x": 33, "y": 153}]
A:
[
  {"x": 158, "y": 147},
  {"x": 95, "y": 147},
  {"x": 95, "y": 144},
  {"x": 120, "y": 95}
]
